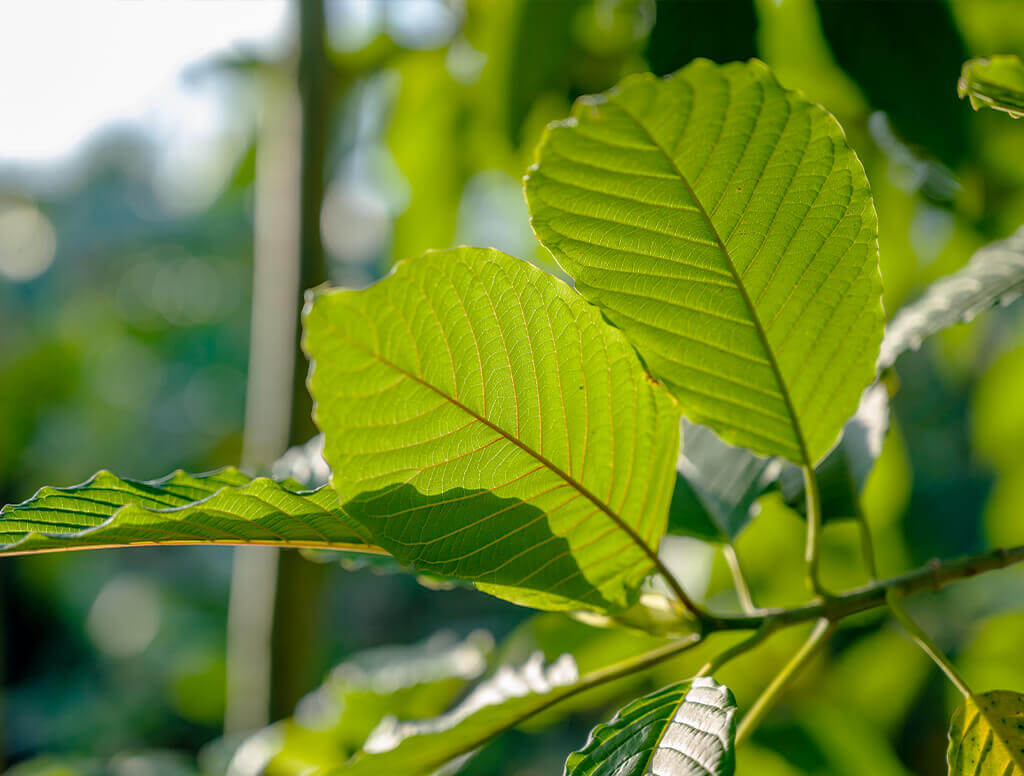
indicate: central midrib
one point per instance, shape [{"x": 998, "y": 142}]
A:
[
  {"x": 540, "y": 458},
  {"x": 762, "y": 334}
]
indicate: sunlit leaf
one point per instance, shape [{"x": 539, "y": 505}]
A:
[
  {"x": 331, "y": 723},
  {"x": 726, "y": 226},
  {"x": 686, "y": 729},
  {"x": 994, "y": 82},
  {"x": 993, "y": 276},
  {"x": 225, "y": 507},
  {"x": 483, "y": 422},
  {"x": 986, "y": 736},
  {"x": 420, "y": 747}
]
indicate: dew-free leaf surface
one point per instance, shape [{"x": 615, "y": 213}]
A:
[
  {"x": 224, "y": 507},
  {"x": 484, "y": 422},
  {"x": 727, "y": 227}
]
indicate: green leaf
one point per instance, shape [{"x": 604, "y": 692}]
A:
[
  {"x": 225, "y": 507},
  {"x": 483, "y": 422},
  {"x": 420, "y": 747},
  {"x": 986, "y": 736},
  {"x": 726, "y": 226},
  {"x": 332, "y": 722},
  {"x": 717, "y": 486},
  {"x": 686, "y": 729},
  {"x": 994, "y": 82},
  {"x": 993, "y": 276},
  {"x": 844, "y": 472}
]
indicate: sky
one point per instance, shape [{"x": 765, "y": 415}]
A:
[{"x": 68, "y": 67}]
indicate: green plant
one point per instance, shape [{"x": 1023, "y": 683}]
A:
[{"x": 486, "y": 423}]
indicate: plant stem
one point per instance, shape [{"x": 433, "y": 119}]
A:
[
  {"x": 813, "y": 549},
  {"x": 867, "y": 547},
  {"x": 931, "y": 576},
  {"x": 675, "y": 585},
  {"x": 740, "y": 582},
  {"x": 738, "y": 649},
  {"x": 925, "y": 643},
  {"x": 822, "y": 630}
]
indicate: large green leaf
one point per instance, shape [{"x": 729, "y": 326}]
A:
[
  {"x": 726, "y": 226},
  {"x": 994, "y": 82},
  {"x": 225, "y": 507},
  {"x": 686, "y": 729},
  {"x": 986, "y": 736},
  {"x": 484, "y": 422},
  {"x": 993, "y": 276}
]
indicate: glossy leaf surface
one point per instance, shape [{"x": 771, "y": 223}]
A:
[
  {"x": 224, "y": 507},
  {"x": 686, "y": 729},
  {"x": 484, "y": 422},
  {"x": 725, "y": 224}
]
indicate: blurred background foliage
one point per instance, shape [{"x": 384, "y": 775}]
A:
[{"x": 126, "y": 278}]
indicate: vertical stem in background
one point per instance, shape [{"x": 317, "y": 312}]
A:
[
  {"x": 867, "y": 547},
  {"x": 268, "y": 407},
  {"x": 300, "y": 582}
]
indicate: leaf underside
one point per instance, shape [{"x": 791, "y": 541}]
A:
[
  {"x": 511, "y": 695},
  {"x": 725, "y": 224},
  {"x": 484, "y": 422},
  {"x": 994, "y": 82},
  {"x": 686, "y": 729},
  {"x": 993, "y": 276},
  {"x": 986, "y": 736},
  {"x": 224, "y": 507}
]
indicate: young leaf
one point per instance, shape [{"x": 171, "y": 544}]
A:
[
  {"x": 686, "y": 729},
  {"x": 994, "y": 82},
  {"x": 994, "y": 275},
  {"x": 726, "y": 226},
  {"x": 225, "y": 507},
  {"x": 986, "y": 736},
  {"x": 483, "y": 422},
  {"x": 504, "y": 700}
]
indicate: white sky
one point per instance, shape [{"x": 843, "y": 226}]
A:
[{"x": 67, "y": 67}]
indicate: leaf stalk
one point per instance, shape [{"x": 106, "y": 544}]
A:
[
  {"x": 925, "y": 642},
  {"x": 822, "y": 630}
]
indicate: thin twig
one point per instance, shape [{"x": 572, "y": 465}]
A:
[
  {"x": 738, "y": 580},
  {"x": 925, "y": 643},
  {"x": 738, "y": 649},
  {"x": 931, "y": 576},
  {"x": 822, "y": 630}
]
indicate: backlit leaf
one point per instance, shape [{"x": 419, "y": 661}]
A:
[
  {"x": 484, "y": 422},
  {"x": 986, "y": 736},
  {"x": 225, "y": 507},
  {"x": 726, "y": 226},
  {"x": 686, "y": 729}
]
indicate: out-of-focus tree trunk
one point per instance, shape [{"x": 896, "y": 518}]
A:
[{"x": 274, "y": 594}]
